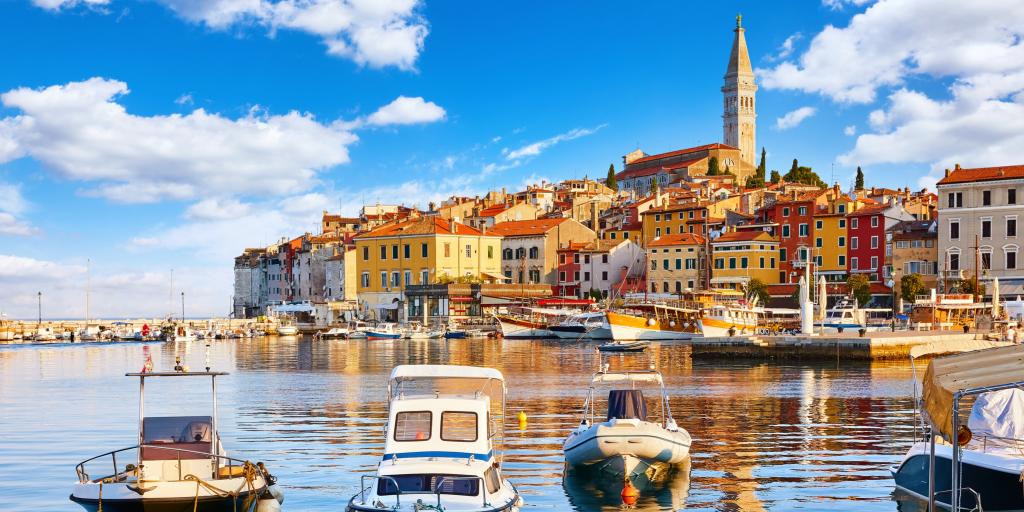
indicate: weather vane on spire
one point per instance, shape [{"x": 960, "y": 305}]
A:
[{"x": 739, "y": 20}]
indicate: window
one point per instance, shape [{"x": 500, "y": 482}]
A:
[
  {"x": 604, "y": 258},
  {"x": 785, "y": 212},
  {"x": 447, "y": 249},
  {"x": 383, "y": 252},
  {"x": 664, "y": 287},
  {"x": 535, "y": 276},
  {"x": 954, "y": 229},
  {"x": 874, "y": 262},
  {"x": 413, "y": 426},
  {"x": 394, "y": 252},
  {"x": 761, "y": 262},
  {"x": 691, "y": 263},
  {"x": 458, "y": 426},
  {"x": 842, "y": 223},
  {"x": 506, "y": 254},
  {"x": 366, "y": 253},
  {"x": 817, "y": 260},
  {"x": 803, "y": 229},
  {"x": 986, "y": 228},
  {"x": 719, "y": 263},
  {"x": 854, "y": 223},
  {"x": 954, "y": 261},
  {"x": 743, "y": 262},
  {"x": 423, "y": 250},
  {"x": 679, "y": 263},
  {"x": 612, "y": 234},
  {"x": 383, "y": 279},
  {"x": 854, "y": 264},
  {"x": 654, "y": 264},
  {"x": 842, "y": 241},
  {"x": 1011, "y": 196},
  {"x": 561, "y": 276},
  {"x": 1011, "y": 226},
  {"x": 534, "y": 253},
  {"x": 586, "y": 276},
  {"x": 817, "y": 242},
  {"x": 586, "y": 259},
  {"x": 469, "y": 251},
  {"x": 874, "y": 221},
  {"x": 657, "y": 217},
  {"x": 785, "y": 231},
  {"x": 874, "y": 242},
  {"x": 803, "y": 210},
  {"x": 664, "y": 264},
  {"x": 853, "y": 242},
  {"x": 668, "y": 216},
  {"x": 817, "y": 224},
  {"x": 986, "y": 260},
  {"x": 842, "y": 260},
  {"x": 657, "y": 232},
  {"x": 490, "y": 252},
  {"x": 732, "y": 262},
  {"x": 604, "y": 275},
  {"x": 986, "y": 197},
  {"x": 408, "y": 277},
  {"x": 1011, "y": 259},
  {"x": 365, "y": 281},
  {"x": 396, "y": 279},
  {"x": 782, "y": 254},
  {"x": 561, "y": 259},
  {"x": 668, "y": 230}
]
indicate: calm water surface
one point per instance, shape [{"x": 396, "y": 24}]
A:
[{"x": 767, "y": 435}]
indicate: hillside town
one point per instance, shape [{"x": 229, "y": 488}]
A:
[{"x": 660, "y": 225}]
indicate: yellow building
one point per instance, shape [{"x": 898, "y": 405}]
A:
[
  {"x": 830, "y": 239},
  {"x": 675, "y": 263},
  {"x": 691, "y": 217},
  {"x": 422, "y": 250},
  {"x": 739, "y": 256}
]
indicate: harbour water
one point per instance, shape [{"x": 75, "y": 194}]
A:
[{"x": 789, "y": 435}]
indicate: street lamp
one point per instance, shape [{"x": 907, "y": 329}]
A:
[
  {"x": 183, "y": 307},
  {"x": 40, "y": 310}
]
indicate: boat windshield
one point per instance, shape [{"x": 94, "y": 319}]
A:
[
  {"x": 177, "y": 429},
  {"x": 461, "y": 485},
  {"x": 627, "y": 404}
]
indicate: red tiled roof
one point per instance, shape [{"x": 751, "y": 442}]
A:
[
  {"x": 677, "y": 239},
  {"x": 526, "y": 227},
  {"x": 872, "y": 209},
  {"x": 670, "y": 154},
  {"x": 491, "y": 211},
  {"x": 653, "y": 169},
  {"x": 744, "y": 236},
  {"x": 1006, "y": 172},
  {"x": 421, "y": 226}
]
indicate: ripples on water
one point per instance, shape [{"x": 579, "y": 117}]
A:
[{"x": 767, "y": 435}]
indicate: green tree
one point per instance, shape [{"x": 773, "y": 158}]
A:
[
  {"x": 966, "y": 285},
  {"x": 713, "y": 169},
  {"x": 654, "y": 184},
  {"x": 804, "y": 175},
  {"x": 776, "y": 177},
  {"x": 610, "y": 181},
  {"x": 860, "y": 287},
  {"x": 757, "y": 288},
  {"x": 911, "y": 285},
  {"x": 757, "y": 180},
  {"x": 728, "y": 172},
  {"x": 762, "y": 166},
  {"x": 859, "y": 184}
]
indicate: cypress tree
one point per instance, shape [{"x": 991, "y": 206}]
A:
[
  {"x": 713, "y": 169},
  {"x": 859, "y": 185},
  {"x": 610, "y": 181}
]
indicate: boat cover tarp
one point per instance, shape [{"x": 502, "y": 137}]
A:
[
  {"x": 998, "y": 414},
  {"x": 948, "y": 375},
  {"x": 627, "y": 404}
]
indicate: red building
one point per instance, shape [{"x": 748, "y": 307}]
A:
[
  {"x": 569, "y": 259},
  {"x": 794, "y": 215},
  {"x": 866, "y": 231}
]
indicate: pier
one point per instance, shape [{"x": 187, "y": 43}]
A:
[{"x": 880, "y": 345}]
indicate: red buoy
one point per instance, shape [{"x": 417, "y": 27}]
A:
[{"x": 630, "y": 494}]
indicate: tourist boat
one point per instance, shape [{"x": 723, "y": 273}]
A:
[
  {"x": 179, "y": 464},
  {"x": 848, "y": 315},
  {"x": 6, "y": 329},
  {"x": 721, "y": 320},
  {"x": 947, "y": 311},
  {"x": 626, "y": 443},
  {"x": 653, "y": 322},
  {"x": 590, "y": 325},
  {"x": 445, "y": 427},
  {"x": 334, "y": 333},
  {"x": 529, "y": 322},
  {"x": 982, "y": 472},
  {"x": 384, "y": 331}
]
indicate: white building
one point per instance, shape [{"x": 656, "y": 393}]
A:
[{"x": 606, "y": 263}]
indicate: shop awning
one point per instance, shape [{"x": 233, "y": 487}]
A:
[
  {"x": 294, "y": 308},
  {"x": 492, "y": 275},
  {"x": 564, "y": 302},
  {"x": 460, "y": 299},
  {"x": 948, "y": 375}
]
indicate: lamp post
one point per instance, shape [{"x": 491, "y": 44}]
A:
[
  {"x": 183, "y": 307},
  {"x": 40, "y": 322}
]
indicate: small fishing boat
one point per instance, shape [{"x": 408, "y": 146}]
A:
[
  {"x": 847, "y": 315},
  {"x": 384, "y": 331},
  {"x": 422, "y": 334},
  {"x": 456, "y": 334},
  {"x": 590, "y": 325},
  {"x": 287, "y": 329},
  {"x": 977, "y": 463},
  {"x": 626, "y": 443},
  {"x": 180, "y": 333},
  {"x": 445, "y": 427},
  {"x": 624, "y": 346},
  {"x": 178, "y": 465},
  {"x": 334, "y": 333}
]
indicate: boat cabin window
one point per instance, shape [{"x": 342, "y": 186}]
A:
[
  {"x": 627, "y": 404},
  {"x": 458, "y": 426},
  {"x": 410, "y": 484},
  {"x": 193, "y": 434},
  {"x": 413, "y": 426}
]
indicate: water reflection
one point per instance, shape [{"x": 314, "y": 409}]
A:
[
  {"x": 588, "y": 490},
  {"x": 768, "y": 435}
]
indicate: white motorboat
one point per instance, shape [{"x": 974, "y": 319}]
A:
[
  {"x": 444, "y": 422},
  {"x": 592, "y": 325},
  {"x": 334, "y": 333},
  {"x": 179, "y": 464},
  {"x": 846, "y": 315},
  {"x": 983, "y": 470},
  {"x": 626, "y": 443},
  {"x": 287, "y": 330}
]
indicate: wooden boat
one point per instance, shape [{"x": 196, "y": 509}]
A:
[{"x": 653, "y": 322}]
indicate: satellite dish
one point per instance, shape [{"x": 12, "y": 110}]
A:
[{"x": 890, "y": 283}]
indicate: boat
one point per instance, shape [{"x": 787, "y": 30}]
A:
[
  {"x": 848, "y": 315},
  {"x": 180, "y": 333},
  {"x": 624, "y": 346},
  {"x": 978, "y": 463},
  {"x": 947, "y": 311},
  {"x": 591, "y": 325},
  {"x": 334, "y": 333},
  {"x": 626, "y": 444},
  {"x": 456, "y": 334},
  {"x": 721, "y": 320},
  {"x": 653, "y": 322},
  {"x": 441, "y": 450},
  {"x": 287, "y": 328},
  {"x": 384, "y": 331},
  {"x": 179, "y": 464},
  {"x": 421, "y": 333},
  {"x": 6, "y": 329},
  {"x": 529, "y": 322}
]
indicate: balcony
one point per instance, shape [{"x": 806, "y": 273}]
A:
[{"x": 952, "y": 274}]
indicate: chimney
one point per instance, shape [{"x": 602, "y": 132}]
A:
[
  {"x": 956, "y": 167},
  {"x": 947, "y": 172}
]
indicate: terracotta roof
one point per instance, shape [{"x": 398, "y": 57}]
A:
[
  {"x": 801, "y": 197},
  {"x": 1007, "y": 172},
  {"x": 604, "y": 245},
  {"x": 494, "y": 210},
  {"x": 677, "y": 239},
  {"x": 872, "y": 209},
  {"x": 678, "y": 152},
  {"x": 526, "y": 227},
  {"x": 421, "y": 226},
  {"x": 653, "y": 169},
  {"x": 343, "y": 220},
  {"x": 744, "y": 236}
]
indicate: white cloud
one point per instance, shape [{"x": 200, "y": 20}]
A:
[
  {"x": 81, "y": 132},
  {"x": 404, "y": 110},
  {"x": 895, "y": 39},
  {"x": 23, "y": 269},
  {"x": 217, "y": 209},
  {"x": 184, "y": 99},
  {"x": 12, "y": 205},
  {"x": 535, "y": 148},
  {"x": 794, "y": 118},
  {"x": 11, "y": 225},
  {"x": 375, "y": 33},
  {"x": 837, "y": 5},
  {"x": 787, "y": 47},
  {"x": 850, "y": 130}
]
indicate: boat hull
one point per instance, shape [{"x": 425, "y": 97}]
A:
[
  {"x": 514, "y": 328},
  {"x": 629, "y": 328},
  {"x": 576, "y": 332},
  {"x": 718, "y": 328},
  {"x": 1000, "y": 489},
  {"x": 623, "y": 448},
  {"x": 370, "y": 335},
  {"x": 176, "y": 496},
  {"x": 181, "y": 504}
]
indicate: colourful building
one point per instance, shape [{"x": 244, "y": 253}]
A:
[
  {"x": 739, "y": 256},
  {"x": 676, "y": 263}
]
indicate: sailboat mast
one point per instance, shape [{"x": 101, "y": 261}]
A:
[{"x": 88, "y": 279}]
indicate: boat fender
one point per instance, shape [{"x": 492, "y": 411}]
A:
[
  {"x": 651, "y": 321},
  {"x": 630, "y": 494},
  {"x": 964, "y": 435},
  {"x": 268, "y": 505},
  {"x": 522, "y": 420},
  {"x": 672, "y": 323}
]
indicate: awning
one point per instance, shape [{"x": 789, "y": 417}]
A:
[
  {"x": 293, "y": 308},
  {"x": 564, "y": 302},
  {"x": 460, "y": 299},
  {"x": 490, "y": 300},
  {"x": 393, "y": 305},
  {"x": 492, "y": 275},
  {"x": 948, "y": 375}
]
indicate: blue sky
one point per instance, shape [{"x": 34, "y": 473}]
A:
[{"x": 146, "y": 136}]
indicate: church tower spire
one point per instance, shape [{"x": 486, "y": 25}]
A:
[{"x": 739, "y": 118}]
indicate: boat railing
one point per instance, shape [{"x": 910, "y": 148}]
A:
[
  {"x": 363, "y": 487},
  {"x": 977, "y": 499},
  {"x": 994, "y": 442},
  {"x": 117, "y": 475},
  {"x": 443, "y": 479}
]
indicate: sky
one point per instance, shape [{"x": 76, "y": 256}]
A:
[{"x": 144, "y": 144}]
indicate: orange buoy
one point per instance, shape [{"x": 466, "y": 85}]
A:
[
  {"x": 522, "y": 420},
  {"x": 630, "y": 494}
]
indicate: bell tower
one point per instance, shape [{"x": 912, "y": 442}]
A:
[{"x": 739, "y": 116}]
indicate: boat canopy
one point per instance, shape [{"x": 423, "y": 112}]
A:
[
  {"x": 999, "y": 414},
  {"x": 433, "y": 371},
  {"x": 968, "y": 373},
  {"x": 612, "y": 377}
]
